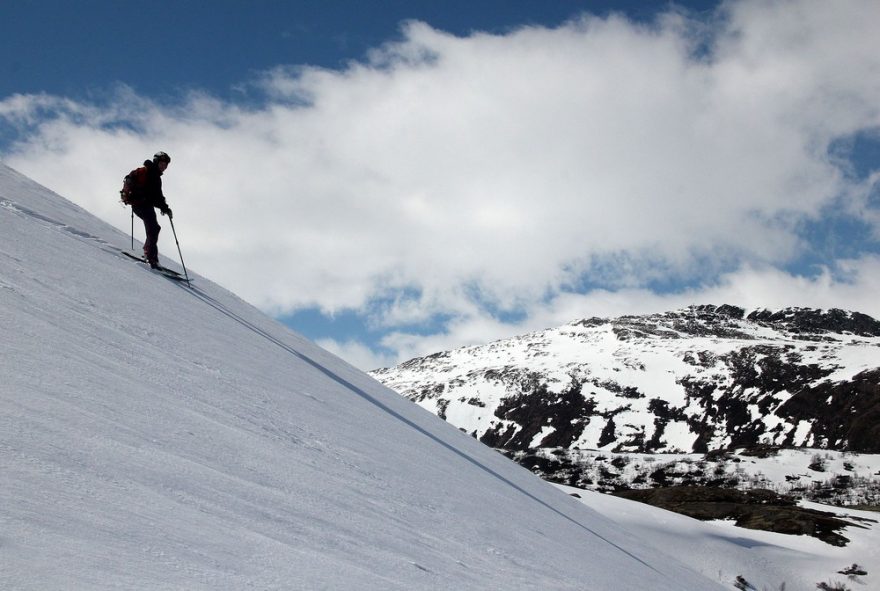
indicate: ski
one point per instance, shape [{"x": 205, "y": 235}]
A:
[{"x": 170, "y": 273}]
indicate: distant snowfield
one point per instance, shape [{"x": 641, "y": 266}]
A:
[{"x": 156, "y": 436}]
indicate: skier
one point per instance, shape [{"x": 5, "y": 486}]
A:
[{"x": 145, "y": 196}]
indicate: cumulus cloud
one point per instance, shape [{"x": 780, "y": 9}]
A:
[
  {"x": 463, "y": 176},
  {"x": 358, "y": 354},
  {"x": 853, "y": 285}
]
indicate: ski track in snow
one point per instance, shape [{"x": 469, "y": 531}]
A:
[{"x": 403, "y": 419}]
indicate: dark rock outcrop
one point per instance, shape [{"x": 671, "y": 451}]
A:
[{"x": 754, "y": 509}]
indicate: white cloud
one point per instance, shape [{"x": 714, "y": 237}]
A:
[
  {"x": 358, "y": 354},
  {"x": 854, "y": 285},
  {"x": 497, "y": 170}
]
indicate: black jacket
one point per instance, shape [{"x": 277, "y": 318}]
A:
[{"x": 152, "y": 189}]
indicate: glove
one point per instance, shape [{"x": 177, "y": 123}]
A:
[{"x": 167, "y": 211}]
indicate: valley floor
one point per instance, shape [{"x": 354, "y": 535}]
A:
[{"x": 764, "y": 560}]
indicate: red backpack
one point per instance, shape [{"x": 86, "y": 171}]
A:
[{"x": 133, "y": 186}]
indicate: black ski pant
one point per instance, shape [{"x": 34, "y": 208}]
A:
[{"x": 151, "y": 226}]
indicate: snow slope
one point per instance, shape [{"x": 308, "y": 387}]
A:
[{"x": 156, "y": 436}]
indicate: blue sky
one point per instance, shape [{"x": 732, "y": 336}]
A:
[
  {"x": 396, "y": 178},
  {"x": 78, "y": 49}
]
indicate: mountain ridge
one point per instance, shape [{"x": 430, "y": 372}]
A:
[{"x": 697, "y": 379}]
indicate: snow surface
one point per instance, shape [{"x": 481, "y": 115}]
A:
[{"x": 159, "y": 436}]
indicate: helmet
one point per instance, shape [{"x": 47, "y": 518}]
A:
[{"x": 161, "y": 156}]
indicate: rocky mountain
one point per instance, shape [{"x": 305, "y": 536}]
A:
[{"x": 694, "y": 380}]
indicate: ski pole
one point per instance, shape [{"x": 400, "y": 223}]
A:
[
  {"x": 132, "y": 229},
  {"x": 182, "y": 264}
]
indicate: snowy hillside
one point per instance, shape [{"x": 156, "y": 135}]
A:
[
  {"x": 157, "y": 436},
  {"x": 694, "y": 380}
]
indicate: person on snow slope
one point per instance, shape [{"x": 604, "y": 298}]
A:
[{"x": 145, "y": 196}]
